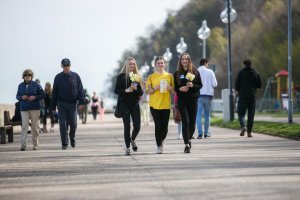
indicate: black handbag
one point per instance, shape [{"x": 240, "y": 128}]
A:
[{"x": 119, "y": 108}]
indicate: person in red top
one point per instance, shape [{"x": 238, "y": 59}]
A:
[
  {"x": 177, "y": 118},
  {"x": 101, "y": 109}
]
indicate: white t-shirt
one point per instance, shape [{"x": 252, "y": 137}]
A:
[{"x": 209, "y": 81}]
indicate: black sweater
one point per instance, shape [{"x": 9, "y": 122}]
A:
[
  {"x": 129, "y": 98},
  {"x": 192, "y": 93},
  {"x": 247, "y": 82}
]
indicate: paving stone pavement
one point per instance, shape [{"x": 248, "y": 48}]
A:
[{"x": 225, "y": 166}]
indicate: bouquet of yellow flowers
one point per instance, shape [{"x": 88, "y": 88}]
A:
[
  {"x": 189, "y": 76},
  {"x": 134, "y": 77}
]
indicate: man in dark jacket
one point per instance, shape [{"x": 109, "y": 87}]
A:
[
  {"x": 67, "y": 91},
  {"x": 246, "y": 85}
]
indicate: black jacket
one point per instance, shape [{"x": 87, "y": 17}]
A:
[
  {"x": 247, "y": 82},
  {"x": 128, "y": 98},
  {"x": 192, "y": 93},
  {"x": 67, "y": 88}
]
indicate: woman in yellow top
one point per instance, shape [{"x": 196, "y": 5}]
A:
[{"x": 159, "y": 85}]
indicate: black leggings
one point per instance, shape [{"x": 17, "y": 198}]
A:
[
  {"x": 50, "y": 111},
  {"x": 161, "y": 121},
  {"x": 95, "y": 112},
  {"x": 188, "y": 112},
  {"x": 134, "y": 112}
]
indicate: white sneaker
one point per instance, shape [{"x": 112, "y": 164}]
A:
[
  {"x": 52, "y": 130},
  {"x": 159, "y": 150},
  {"x": 127, "y": 151},
  {"x": 35, "y": 148},
  {"x": 163, "y": 144}
]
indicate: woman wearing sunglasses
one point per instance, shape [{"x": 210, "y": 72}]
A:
[{"x": 29, "y": 95}]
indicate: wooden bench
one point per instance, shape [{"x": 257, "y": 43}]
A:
[{"x": 8, "y": 128}]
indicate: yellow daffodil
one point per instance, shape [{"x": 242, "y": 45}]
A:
[
  {"x": 189, "y": 76},
  {"x": 134, "y": 77}
]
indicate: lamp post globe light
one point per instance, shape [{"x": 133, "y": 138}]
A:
[
  {"x": 181, "y": 47},
  {"x": 168, "y": 56},
  {"x": 203, "y": 34},
  {"x": 229, "y": 15},
  {"x": 232, "y": 15}
]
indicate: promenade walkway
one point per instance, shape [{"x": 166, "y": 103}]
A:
[{"x": 225, "y": 166}]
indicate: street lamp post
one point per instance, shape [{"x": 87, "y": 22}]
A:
[
  {"x": 168, "y": 56},
  {"x": 181, "y": 47},
  {"x": 203, "y": 34},
  {"x": 227, "y": 16},
  {"x": 290, "y": 104}
]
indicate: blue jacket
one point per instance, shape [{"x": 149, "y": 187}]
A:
[{"x": 31, "y": 89}]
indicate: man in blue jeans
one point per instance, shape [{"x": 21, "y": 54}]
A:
[
  {"x": 209, "y": 81},
  {"x": 67, "y": 92}
]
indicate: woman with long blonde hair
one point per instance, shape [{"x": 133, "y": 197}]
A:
[
  {"x": 129, "y": 89},
  {"x": 48, "y": 109}
]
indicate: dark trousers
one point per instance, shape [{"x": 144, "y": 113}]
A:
[
  {"x": 134, "y": 112},
  {"x": 161, "y": 121},
  {"x": 188, "y": 113},
  {"x": 50, "y": 111},
  {"x": 95, "y": 112},
  {"x": 67, "y": 116},
  {"x": 246, "y": 104},
  {"x": 83, "y": 113}
]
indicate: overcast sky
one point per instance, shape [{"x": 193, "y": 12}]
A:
[{"x": 93, "y": 34}]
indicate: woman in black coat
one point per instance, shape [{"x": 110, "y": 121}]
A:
[
  {"x": 187, "y": 83},
  {"x": 129, "y": 89}
]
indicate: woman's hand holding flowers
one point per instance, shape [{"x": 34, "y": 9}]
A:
[{"x": 190, "y": 77}]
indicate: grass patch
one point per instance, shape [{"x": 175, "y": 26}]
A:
[
  {"x": 277, "y": 114},
  {"x": 286, "y": 130}
]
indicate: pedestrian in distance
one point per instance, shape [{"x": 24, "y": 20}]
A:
[
  {"x": 101, "y": 109},
  {"x": 67, "y": 93},
  {"x": 177, "y": 118},
  {"x": 209, "y": 82},
  {"x": 84, "y": 111},
  {"x": 129, "y": 89},
  {"x": 159, "y": 86},
  {"x": 246, "y": 85},
  {"x": 95, "y": 105},
  {"x": 47, "y": 108},
  {"x": 29, "y": 95},
  {"x": 144, "y": 103},
  {"x": 187, "y": 85},
  {"x": 42, "y": 110}
]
